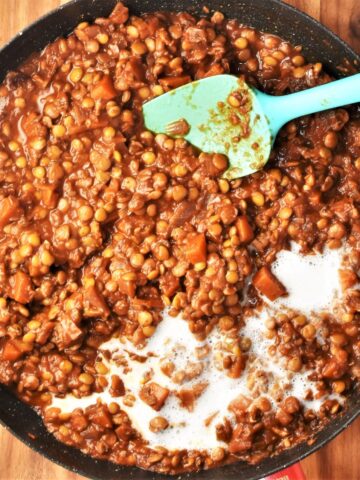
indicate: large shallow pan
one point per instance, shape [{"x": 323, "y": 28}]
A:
[{"x": 268, "y": 15}]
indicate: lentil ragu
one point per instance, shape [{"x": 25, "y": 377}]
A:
[{"x": 105, "y": 226}]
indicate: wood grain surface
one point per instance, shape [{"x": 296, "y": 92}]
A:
[{"x": 340, "y": 460}]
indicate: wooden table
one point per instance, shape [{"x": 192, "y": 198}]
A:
[{"x": 340, "y": 460}]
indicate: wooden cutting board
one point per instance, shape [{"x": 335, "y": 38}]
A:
[{"x": 340, "y": 460}]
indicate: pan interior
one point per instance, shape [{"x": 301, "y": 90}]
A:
[{"x": 271, "y": 16}]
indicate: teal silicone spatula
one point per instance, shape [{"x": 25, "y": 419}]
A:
[{"x": 222, "y": 114}]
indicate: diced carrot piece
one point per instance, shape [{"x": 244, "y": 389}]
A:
[
  {"x": 20, "y": 287},
  {"x": 9, "y": 207},
  {"x": 48, "y": 196},
  {"x": 348, "y": 279},
  {"x": 195, "y": 248},
  {"x": 244, "y": 229},
  {"x": 174, "y": 82},
  {"x": 14, "y": 349},
  {"x": 104, "y": 89},
  {"x": 10, "y": 351},
  {"x": 268, "y": 284}
]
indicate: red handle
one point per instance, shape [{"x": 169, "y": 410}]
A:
[{"x": 291, "y": 473}]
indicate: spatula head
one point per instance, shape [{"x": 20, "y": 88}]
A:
[{"x": 219, "y": 114}]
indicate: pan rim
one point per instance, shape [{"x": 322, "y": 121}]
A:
[{"x": 279, "y": 3}]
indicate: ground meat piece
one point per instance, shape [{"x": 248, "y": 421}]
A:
[
  {"x": 154, "y": 395},
  {"x": 66, "y": 332},
  {"x": 188, "y": 397}
]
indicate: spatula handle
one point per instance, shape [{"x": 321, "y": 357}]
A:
[{"x": 331, "y": 95}]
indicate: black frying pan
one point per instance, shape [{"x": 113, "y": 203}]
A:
[{"x": 269, "y": 15}]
